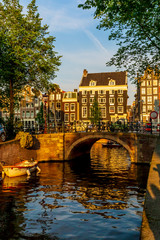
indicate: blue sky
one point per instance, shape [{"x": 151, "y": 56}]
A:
[{"x": 77, "y": 40}]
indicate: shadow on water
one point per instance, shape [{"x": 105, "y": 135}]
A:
[{"x": 151, "y": 214}]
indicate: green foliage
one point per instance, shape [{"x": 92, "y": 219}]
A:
[
  {"x": 95, "y": 113},
  {"x": 135, "y": 25},
  {"x": 40, "y": 118},
  {"x": 27, "y": 50},
  {"x": 26, "y": 139}
]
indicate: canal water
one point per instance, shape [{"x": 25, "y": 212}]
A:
[{"x": 91, "y": 198}]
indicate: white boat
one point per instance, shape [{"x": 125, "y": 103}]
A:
[{"x": 25, "y": 167}]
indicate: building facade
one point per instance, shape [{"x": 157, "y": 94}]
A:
[
  {"x": 110, "y": 90},
  {"x": 147, "y": 95}
]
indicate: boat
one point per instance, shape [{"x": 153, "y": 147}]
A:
[
  {"x": 25, "y": 167},
  {"x": 111, "y": 144}
]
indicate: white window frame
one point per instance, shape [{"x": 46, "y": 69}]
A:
[
  {"x": 84, "y": 100},
  {"x": 110, "y": 111},
  {"x": 66, "y": 107},
  {"x": 118, "y": 109},
  {"x": 72, "y": 107},
  {"x": 101, "y": 92},
  {"x": 120, "y": 99},
  {"x": 72, "y": 117},
  {"x": 111, "y": 101},
  {"x": 66, "y": 117},
  {"x": 120, "y": 91},
  {"x": 84, "y": 112}
]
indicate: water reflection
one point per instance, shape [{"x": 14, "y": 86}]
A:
[{"x": 101, "y": 196}]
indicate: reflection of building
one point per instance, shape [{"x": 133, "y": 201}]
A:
[
  {"x": 110, "y": 89},
  {"x": 147, "y": 94}
]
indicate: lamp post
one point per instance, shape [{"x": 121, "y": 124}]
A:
[{"x": 45, "y": 99}]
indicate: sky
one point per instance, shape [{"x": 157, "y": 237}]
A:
[{"x": 78, "y": 41}]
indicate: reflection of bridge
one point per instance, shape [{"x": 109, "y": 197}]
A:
[{"x": 67, "y": 146}]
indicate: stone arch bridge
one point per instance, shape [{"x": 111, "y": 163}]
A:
[{"x": 68, "y": 146}]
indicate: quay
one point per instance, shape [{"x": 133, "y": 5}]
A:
[{"x": 150, "y": 229}]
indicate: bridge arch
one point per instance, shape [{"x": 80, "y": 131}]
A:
[{"x": 83, "y": 146}]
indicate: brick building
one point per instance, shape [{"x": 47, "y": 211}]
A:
[{"x": 110, "y": 89}]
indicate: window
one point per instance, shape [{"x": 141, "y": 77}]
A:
[
  {"x": 92, "y": 92},
  {"x": 143, "y": 91},
  {"x": 120, "y": 109},
  {"x": 149, "y": 107},
  {"x": 23, "y": 114},
  {"x": 154, "y": 90},
  {"x": 111, "y": 91},
  {"x": 58, "y": 105},
  {"x": 149, "y": 83},
  {"x": 84, "y": 92},
  {"x": 84, "y": 100},
  {"x": 27, "y": 105},
  {"x": 58, "y": 96},
  {"x": 72, "y": 117},
  {"x": 66, "y": 107},
  {"x": 72, "y": 106},
  {"x": 27, "y": 114},
  {"x": 91, "y": 100},
  {"x": 52, "y": 97},
  {"x": 155, "y": 82},
  {"x": 103, "y": 112},
  {"x": 32, "y": 114},
  {"x": 36, "y": 101},
  {"x": 111, "y": 101},
  {"x": 120, "y": 100},
  {"x": 101, "y": 100},
  {"x": 143, "y": 83},
  {"x": 144, "y": 109},
  {"x": 92, "y": 83},
  {"x": 149, "y": 99},
  {"x": 111, "y": 82},
  {"x": 84, "y": 112},
  {"x": 66, "y": 117},
  {"x": 149, "y": 91},
  {"x": 120, "y": 91},
  {"x": 101, "y": 91},
  {"x": 112, "y": 109},
  {"x": 144, "y": 99},
  {"x": 155, "y": 98}
]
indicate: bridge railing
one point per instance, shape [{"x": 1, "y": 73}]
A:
[{"x": 136, "y": 127}]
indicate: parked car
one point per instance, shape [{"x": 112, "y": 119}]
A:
[{"x": 2, "y": 133}]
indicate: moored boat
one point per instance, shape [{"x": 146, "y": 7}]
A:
[
  {"x": 25, "y": 167},
  {"x": 111, "y": 144}
]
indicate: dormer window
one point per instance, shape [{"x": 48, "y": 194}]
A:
[
  {"x": 92, "y": 83},
  {"x": 111, "y": 82}
]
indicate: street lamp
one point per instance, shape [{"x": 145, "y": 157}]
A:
[{"x": 45, "y": 99}]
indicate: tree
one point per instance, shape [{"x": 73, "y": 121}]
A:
[
  {"x": 136, "y": 27},
  {"x": 95, "y": 113},
  {"x": 40, "y": 117},
  {"x": 27, "y": 53}
]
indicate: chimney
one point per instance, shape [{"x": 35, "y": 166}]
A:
[{"x": 85, "y": 72}]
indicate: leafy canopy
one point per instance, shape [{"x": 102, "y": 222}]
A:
[
  {"x": 135, "y": 25},
  {"x": 95, "y": 113},
  {"x": 27, "y": 54}
]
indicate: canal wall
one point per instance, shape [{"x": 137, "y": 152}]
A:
[
  {"x": 150, "y": 229},
  {"x": 44, "y": 149}
]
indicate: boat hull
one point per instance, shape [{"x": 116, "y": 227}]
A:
[{"x": 20, "y": 169}]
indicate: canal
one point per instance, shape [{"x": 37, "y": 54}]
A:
[{"x": 91, "y": 198}]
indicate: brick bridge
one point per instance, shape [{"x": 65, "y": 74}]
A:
[{"x": 67, "y": 146}]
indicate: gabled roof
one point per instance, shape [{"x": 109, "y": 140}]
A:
[{"x": 103, "y": 78}]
